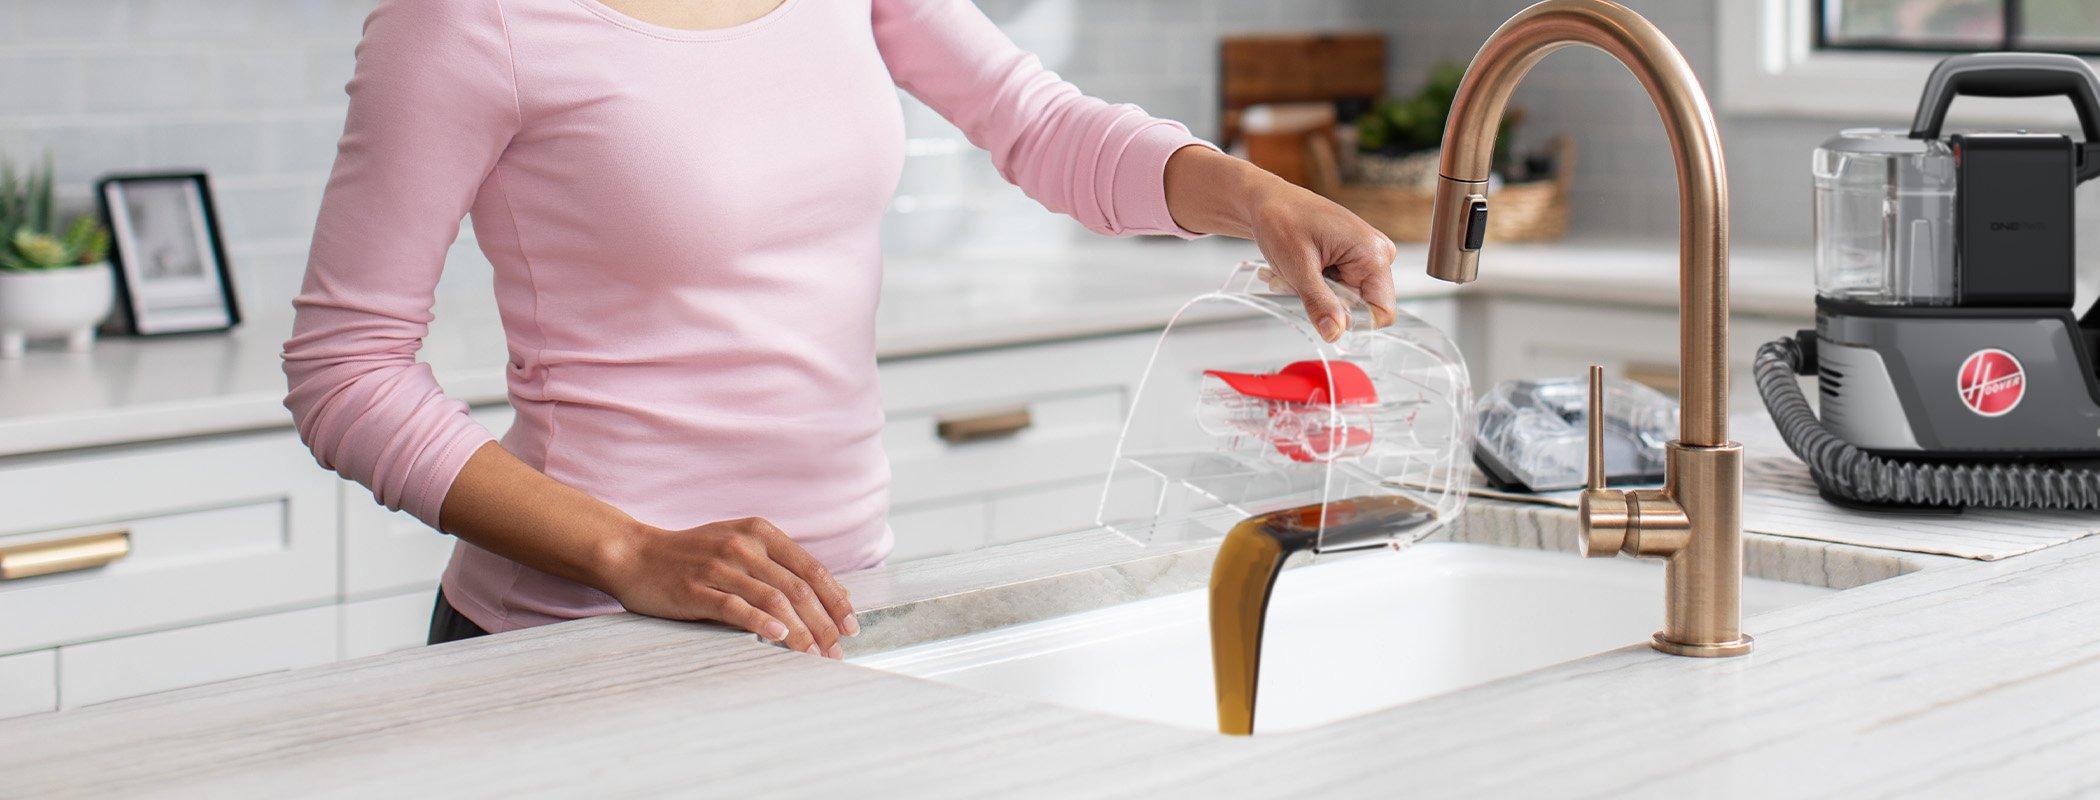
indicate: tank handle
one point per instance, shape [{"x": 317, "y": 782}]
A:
[{"x": 2009, "y": 75}]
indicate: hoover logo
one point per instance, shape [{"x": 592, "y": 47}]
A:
[{"x": 1991, "y": 382}]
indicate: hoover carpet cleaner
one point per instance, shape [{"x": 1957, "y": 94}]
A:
[{"x": 1952, "y": 369}]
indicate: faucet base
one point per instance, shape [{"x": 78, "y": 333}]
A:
[{"x": 1723, "y": 650}]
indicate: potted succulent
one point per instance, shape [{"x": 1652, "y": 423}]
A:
[
  {"x": 55, "y": 280},
  {"x": 1398, "y": 139}
]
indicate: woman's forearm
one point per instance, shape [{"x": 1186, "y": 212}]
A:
[
  {"x": 504, "y": 506},
  {"x": 744, "y": 572},
  {"x": 1211, "y": 192}
]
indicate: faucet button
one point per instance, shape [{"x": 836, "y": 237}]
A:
[{"x": 1476, "y": 222}]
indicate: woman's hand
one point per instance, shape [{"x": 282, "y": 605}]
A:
[
  {"x": 744, "y": 572},
  {"x": 1303, "y": 235}
]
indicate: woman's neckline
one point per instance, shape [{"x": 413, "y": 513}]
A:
[{"x": 609, "y": 14}]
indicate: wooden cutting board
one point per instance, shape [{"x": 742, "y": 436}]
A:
[{"x": 1296, "y": 68}]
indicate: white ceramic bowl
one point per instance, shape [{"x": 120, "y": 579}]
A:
[{"x": 66, "y": 303}]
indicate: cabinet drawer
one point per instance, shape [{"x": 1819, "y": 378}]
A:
[
  {"x": 156, "y": 662},
  {"x": 1531, "y": 339},
  {"x": 217, "y": 528},
  {"x": 1074, "y": 393},
  {"x": 937, "y": 530},
  {"x": 28, "y": 683},
  {"x": 1058, "y": 438},
  {"x": 386, "y": 624},
  {"x": 1041, "y": 512},
  {"x": 990, "y": 377},
  {"x": 387, "y": 551}
]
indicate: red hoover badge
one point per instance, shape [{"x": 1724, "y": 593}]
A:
[{"x": 1991, "y": 382}]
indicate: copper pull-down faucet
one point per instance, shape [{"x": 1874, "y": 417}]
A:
[{"x": 1695, "y": 520}]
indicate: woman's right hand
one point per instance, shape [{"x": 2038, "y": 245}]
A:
[{"x": 743, "y": 572}]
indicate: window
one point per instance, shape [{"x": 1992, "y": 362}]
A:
[
  {"x": 1865, "y": 61},
  {"x": 1959, "y": 25}
]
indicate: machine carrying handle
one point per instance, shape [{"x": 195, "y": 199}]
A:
[{"x": 2009, "y": 75}]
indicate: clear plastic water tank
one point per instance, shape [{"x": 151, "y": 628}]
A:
[
  {"x": 1885, "y": 218},
  {"x": 1383, "y": 414}
]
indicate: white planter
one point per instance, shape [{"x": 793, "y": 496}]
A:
[{"x": 55, "y": 303}]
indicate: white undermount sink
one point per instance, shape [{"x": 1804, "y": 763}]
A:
[{"x": 1344, "y": 637}]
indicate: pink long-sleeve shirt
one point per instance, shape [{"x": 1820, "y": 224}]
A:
[{"x": 684, "y": 230}]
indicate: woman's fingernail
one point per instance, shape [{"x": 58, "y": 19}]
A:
[
  {"x": 775, "y": 631},
  {"x": 813, "y": 651},
  {"x": 835, "y": 652},
  {"x": 850, "y": 625},
  {"x": 1330, "y": 329}
]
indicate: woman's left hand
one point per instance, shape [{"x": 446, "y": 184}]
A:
[{"x": 1304, "y": 236}]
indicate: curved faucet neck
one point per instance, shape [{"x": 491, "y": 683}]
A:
[{"x": 1702, "y": 180}]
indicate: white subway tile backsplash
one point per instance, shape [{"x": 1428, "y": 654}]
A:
[
  {"x": 328, "y": 71},
  {"x": 64, "y": 21},
  {"x": 249, "y": 212},
  {"x": 80, "y": 152},
  {"x": 151, "y": 81},
  {"x": 301, "y": 145},
  {"x": 266, "y": 79},
  {"x": 185, "y": 20},
  {"x": 220, "y": 148},
  {"x": 40, "y": 84}
]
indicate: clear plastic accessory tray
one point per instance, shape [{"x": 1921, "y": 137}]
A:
[{"x": 1212, "y": 440}]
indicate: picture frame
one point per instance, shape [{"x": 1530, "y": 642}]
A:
[{"x": 167, "y": 253}]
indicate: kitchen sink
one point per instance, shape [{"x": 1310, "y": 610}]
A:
[{"x": 1348, "y": 635}]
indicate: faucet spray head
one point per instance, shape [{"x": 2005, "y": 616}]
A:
[{"x": 1457, "y": 227}]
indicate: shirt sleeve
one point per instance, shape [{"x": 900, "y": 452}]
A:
[
  {"x": 433, "y": 103},
  {"x": 1102, "y": 164}
]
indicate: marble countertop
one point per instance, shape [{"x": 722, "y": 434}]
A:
[
  {"x": 130, "y": 390},
  {"x": 1936, "y": 677}
]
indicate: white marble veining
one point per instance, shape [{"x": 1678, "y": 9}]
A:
[
  {"x": 1943, "y": 678},
  {"x": 130, "y": 390}
]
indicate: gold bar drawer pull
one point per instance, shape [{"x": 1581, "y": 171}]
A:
[
  {"x": 991, "y": 425},
  {"x": 63, "y": 555}
]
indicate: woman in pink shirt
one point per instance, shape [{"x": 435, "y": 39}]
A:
[{"x": 686, "y": 262}]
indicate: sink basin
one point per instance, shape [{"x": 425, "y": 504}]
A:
[{"x": 1345, "y": 636}]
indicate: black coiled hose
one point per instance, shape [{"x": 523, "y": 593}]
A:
[{"x": 1847, "y": 472}]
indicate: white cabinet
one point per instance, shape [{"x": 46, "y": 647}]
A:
[
  {"x": 1043, "y": 511},
  {"x": 1058, "y": 409},
  {"x": 134, "y": 665},
  {"x": 28, "y": 683},
  {"x": 385, "y": 624},
  {"x": 938, "y": 529},
  {"x": 217, "y": 528},
  {"x": 1538, "y": 338}
]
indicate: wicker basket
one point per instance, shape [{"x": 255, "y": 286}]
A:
[{"x": 1535, "y": 211}]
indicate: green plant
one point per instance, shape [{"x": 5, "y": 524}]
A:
[
  {"x": 34, "y": 239},
  {"x": 1397, "y": 126}
]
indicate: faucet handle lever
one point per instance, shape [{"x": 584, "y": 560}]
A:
[
  {"x": 1607, "y": 519},
  {"x": 1643, "y": 522},
  {"x": 1594, "y": 412}
]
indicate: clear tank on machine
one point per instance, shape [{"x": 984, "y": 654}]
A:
[{"x": 1884, "y": 205}]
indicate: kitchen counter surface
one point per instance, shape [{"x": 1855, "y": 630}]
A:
[
  {"x": 1953, "y": 678},
  {"x": 131, "y": 390}
]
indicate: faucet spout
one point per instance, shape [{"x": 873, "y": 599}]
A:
[
  {"x": 1704, "y": 483},
  {"x": 1459, "y": 220}
]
